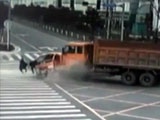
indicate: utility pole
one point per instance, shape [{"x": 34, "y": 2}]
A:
[
  {"x": 122, "y": 24},
  {"x": 155, "y": 9},
  {"x": 98, "y": 5},
  {"x": 110, "y": 5},
  {"x": 108, "y": 11},
  {"x": 8, "y": 25},
  {"x": 59, "y": 3},
  {"x": 72, "y": 4}
]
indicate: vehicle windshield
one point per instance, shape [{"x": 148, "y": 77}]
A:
[
  {"x": 46, "y": 57},
  {"x": 73, "y": 49},
  {"x": 41, "y": 58}
]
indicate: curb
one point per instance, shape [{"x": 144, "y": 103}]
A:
[
  {"x": 69, "y": 35},
  {"x": 16, "y": 50}
]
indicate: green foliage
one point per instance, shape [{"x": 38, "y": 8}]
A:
[
  {"x": 92, "y": 17},
  {"x": 3, "y": 13},
  {"x": 50, "y": 15}
]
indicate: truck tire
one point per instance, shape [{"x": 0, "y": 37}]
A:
[
  {"x": 129, "y": 78},
  {"x": 147, "y": 79}
]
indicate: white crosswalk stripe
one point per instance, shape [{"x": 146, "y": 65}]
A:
[
  {"x": 37, "y": 107},
  {"x": 29, "y": 56},
  {"x": 23, "y": 100},
  {"x": 37, "y": 55},
  {"x": 10, "y": 58},
  {"x": 17, "y": 56}
]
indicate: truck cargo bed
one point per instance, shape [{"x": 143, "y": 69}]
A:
[{"x": 127, "y": 54}]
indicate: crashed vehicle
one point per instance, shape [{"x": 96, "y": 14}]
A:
[
  {"x": 73, "y": 54},
  {"x": 135, "y": 62}
]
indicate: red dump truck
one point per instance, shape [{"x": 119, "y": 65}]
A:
[{"x": 136, "y": 62}]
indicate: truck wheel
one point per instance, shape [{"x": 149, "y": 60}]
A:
[
  {"x": 147, "y": 79},
  {"x": 86, "y": 77},
  {"x": 129, "y": 78}
]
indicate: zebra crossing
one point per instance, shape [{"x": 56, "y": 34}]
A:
[
  {"x": 29, "y": 56},
  {"x": 28, "y": 99}
]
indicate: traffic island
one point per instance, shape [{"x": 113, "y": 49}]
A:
[{"x": 3, "y": 47}]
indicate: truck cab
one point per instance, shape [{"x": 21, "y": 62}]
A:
[
  {"x": 74, "y": 53},
  {"x": 77, "y": 53}
]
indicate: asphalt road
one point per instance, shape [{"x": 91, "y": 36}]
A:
[
  {"x": 29, "y": 39},
  {"x": 109, "y": 98},
  {"x": 27, "y": 97}
]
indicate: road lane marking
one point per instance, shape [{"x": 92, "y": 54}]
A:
[
  {"x": 14, "y": 86},
  {"x": 86, "y": 106},
  {"x": 29, "y": 97},
  {"x": 42, "y": 116},
  {"x": 40, "y": 111},
  {"x": 15, "y": 92},
  {"x": 32, "y": 100},
  {"x": 152, "y": 95},
  {"x": 29, "y": 56},
  {"x": 37, "y": 107},
  {"x": 137, "y": 107},
  {"x": 35, "y": 103},
  {"x": 104, "y": 111},
  {"x": 10, "y": 58},
  {"x": 110, "y": 96},
  {"x": 138, "y": 117},
  {"x": 26, "y": 94},
  {"x": 9, "y": 63},
  {"x": 48, "y": 48},
  {"x": 80, "y": 119},
  {"x": 79, "y": 88},
  {"x": 27, "y": 88},
  {"x": 22, "y": 40},
  {"x": 131, "y": 109},
  {"x": 21, "y": 86},
  {"x": 80, "y": 95},
  {"x": 124, "y": 101},
  {"x": 18, "y": 56},
  {"x": 36, "y": 55}
]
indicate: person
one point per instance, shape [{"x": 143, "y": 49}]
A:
[
  {"x": 22, "y": 65},
  {"x": 33, "y": 65}
]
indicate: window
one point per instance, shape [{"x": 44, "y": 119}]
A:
[
  {"x": 72, "y": 49},
  {"x": 40, "y": 59},
  {"x": 79, "y": 2},
  {"x": 79, "y": 49},
  {"x": 69, "y": 49},
  {"x": 48, "y": 57},
  {"x": 65, "y": 49}
]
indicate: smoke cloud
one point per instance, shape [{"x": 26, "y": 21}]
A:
[{"x": 75, "y": 72}]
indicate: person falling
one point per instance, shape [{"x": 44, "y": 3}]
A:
[{"x": 22, "y": 65}]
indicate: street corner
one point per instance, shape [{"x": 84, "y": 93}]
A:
[{"x": 12, "y": 48}]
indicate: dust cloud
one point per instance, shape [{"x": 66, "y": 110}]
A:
[{"x": 75, "y": 72}]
